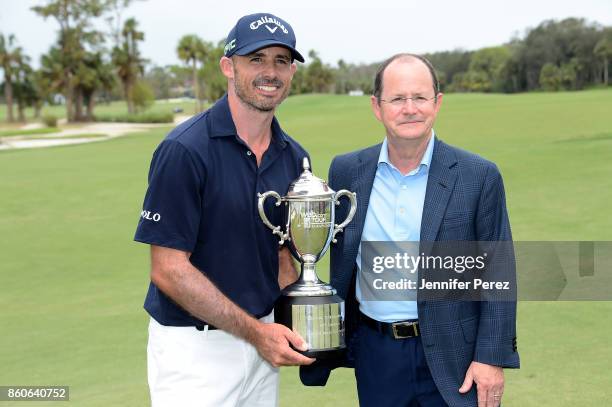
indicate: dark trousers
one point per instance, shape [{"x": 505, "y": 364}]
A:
[{"x": 393, "y": 372}]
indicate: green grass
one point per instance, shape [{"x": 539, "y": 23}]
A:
[
  {"x": 84, "y": 135},
  {"x": 72, "y": 282},
  {"x": 18, "y": 132},
  {"x": 146, "y": 117},
  {"x": 106, "y": 109}
]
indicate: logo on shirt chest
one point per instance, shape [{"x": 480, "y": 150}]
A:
[{"x": 155, "y": 217}]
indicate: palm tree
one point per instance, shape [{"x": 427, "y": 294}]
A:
[
  {"x": 603, "y": 49},
  {"x": 43, "y": 90},
  {"x": 71, "y": 53},
  {"x": 216, "y": 83},
  {"x": 97, "y": 75},
  {"x": 75, "y": 20},
  {"x": 126, "y": 58},
  {"x": 23, "y": 86},
  {"x": 191, "y": 49},
  {"x": 52, "y": 71},
  {"x": 8, "y": 60}
]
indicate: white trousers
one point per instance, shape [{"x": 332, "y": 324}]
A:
[{"x": 209, "y": 368}]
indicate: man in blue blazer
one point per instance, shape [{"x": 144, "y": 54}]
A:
[{"x": 414, "y": 187}]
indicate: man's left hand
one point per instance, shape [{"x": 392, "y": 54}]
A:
[{"x": 489, "y": 383}]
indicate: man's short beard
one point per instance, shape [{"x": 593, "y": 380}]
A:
[{"x": 254, "y": 103}]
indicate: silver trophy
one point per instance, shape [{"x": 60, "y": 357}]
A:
[{"x": 309, "y": 306}]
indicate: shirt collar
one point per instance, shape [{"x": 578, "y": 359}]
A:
[
  {"x": 383, "y": 157},
  {"x": 222, "y": 123}
]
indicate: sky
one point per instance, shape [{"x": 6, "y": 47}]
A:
[{"x": 354, "y": 30}]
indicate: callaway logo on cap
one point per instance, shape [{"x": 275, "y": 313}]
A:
[{"x": 257, "y": 31}]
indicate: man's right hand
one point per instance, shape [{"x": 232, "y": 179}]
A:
[{"x": 272, "y": 342}]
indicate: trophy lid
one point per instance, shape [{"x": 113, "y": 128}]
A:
[{"x": 309, "y": 186}]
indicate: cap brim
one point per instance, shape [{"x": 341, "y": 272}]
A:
[{"x": 247, "y": 49}]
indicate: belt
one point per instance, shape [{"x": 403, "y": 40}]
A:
[
  {"x": 201, "y": 327},
  {"x": 396, "y": 330}
]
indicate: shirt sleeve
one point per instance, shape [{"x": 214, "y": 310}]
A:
[{"x": 172, "y": 206}]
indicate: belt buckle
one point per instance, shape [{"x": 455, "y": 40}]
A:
[{"x": 396, "y": 327}]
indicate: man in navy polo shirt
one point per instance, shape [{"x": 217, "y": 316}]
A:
[{"x": 216, "y": 271}]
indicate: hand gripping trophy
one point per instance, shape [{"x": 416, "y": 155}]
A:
[{"x": 309, "y": 306}]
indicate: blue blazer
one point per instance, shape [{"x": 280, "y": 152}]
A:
[{"x": 464, "y": 201}]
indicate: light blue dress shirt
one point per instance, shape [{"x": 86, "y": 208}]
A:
[{"x": 394, "y": 214}]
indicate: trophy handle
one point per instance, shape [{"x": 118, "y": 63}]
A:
[
  {"x": 262, "y": 213},
  {"x": 352, "y": 197}
]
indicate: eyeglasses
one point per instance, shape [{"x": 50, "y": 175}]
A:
[{"x": 399, "y": 101}]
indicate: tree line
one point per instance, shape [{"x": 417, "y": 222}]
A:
[
  {"x": 79, "y": 66},
  {"x": 570, "y": 54},
  {"x": 87, "y": 65}
]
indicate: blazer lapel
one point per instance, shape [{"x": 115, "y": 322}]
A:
[
  {"x": 440, "y": 184},
  {"x": 361, "y": 184}
]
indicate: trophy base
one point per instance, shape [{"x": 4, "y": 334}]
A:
[
  {"x": 329, "y": 354},
  {"x": 319, "y": 320}
]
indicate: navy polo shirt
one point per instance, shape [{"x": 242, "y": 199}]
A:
[{"x": 202, "y": 199}]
